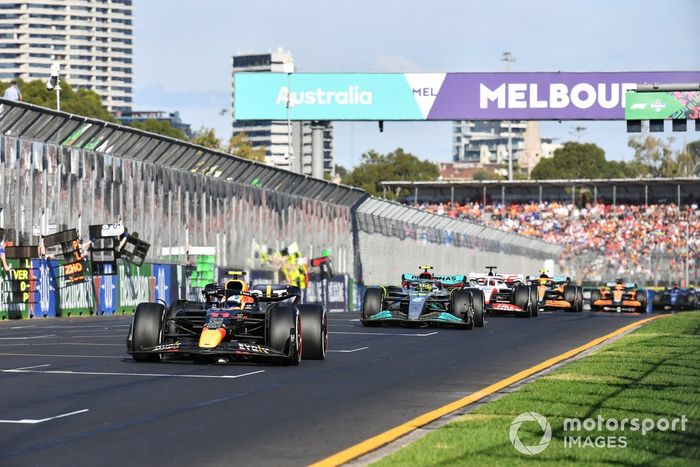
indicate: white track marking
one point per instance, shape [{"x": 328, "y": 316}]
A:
[
  {"x": 28, "y": 337},
  {"x": 31, "y": 421},
  {"x": 349, "y": 351},
  {"x": 29, "y": 367},
  {"x": 384, "y": 334},
  {"x": 61, "y": 356},
  {"x": 148, "y": 375}
]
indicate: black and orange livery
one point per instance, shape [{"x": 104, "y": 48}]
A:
[
  {"x": 619, "y": 296},
  {"x": 557, "y": 293}
]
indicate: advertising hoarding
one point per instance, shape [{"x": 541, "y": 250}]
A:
[{"x": 441, "y": 96}]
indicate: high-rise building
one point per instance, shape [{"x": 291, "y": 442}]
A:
[
  {"x": 485, "y": 144},
  {"x": 90, "y": 40},
  {"x": 293, "y": 153}
]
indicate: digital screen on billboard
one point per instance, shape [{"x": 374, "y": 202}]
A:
[{"x": 440, "y": 96}]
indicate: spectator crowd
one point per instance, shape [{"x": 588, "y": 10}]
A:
[{"x": 646, "y": 244}]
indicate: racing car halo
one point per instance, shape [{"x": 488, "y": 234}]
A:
[
  {"x": 233, "y": 323},
  {"x": 424, "y": 299}
]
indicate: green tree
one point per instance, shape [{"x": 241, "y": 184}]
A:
[
  {"x": 656, "y": 158},
  {"x": 397, "y": 165},
  {"x": 240, "y": 145},
  {"x": 486, "y": 174},
  {"x": 82, "y": 102},
  {"x": 207, "y": 137},
  {"x": 581, "y": 160},
  {"x": 161, "y": 127}
]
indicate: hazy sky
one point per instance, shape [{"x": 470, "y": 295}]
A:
[{"x": 183, "y": 52}]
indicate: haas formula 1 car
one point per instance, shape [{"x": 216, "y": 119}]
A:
[
  {"x": 506, "y": 293},
  {"x": 675, "y": 298},
  {"x": 619, "y": 296},
  {"x": 557, "y": 293},
  {"x": 424, "y": 299},
  {"x": 234, "y": 323}
]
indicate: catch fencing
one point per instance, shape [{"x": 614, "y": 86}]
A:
[{"x": 60, "y": 171}]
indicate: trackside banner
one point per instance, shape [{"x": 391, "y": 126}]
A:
[{"x": 441, "y": 96}]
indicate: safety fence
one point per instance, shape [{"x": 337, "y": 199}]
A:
[{"x": 60, "y": 171}]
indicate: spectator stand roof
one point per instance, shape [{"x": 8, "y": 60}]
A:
[{"x": 612, "y": 191}]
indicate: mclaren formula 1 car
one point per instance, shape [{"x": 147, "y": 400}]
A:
[
  {"x": 506, "y": 293},
  {"x": 424, "y": 299},
  {"x": 675, "y": 298},
  {"x": 557, "y": 293},
  {"x": 233, "y": 323},
  {"x": 619, "y": 296}
]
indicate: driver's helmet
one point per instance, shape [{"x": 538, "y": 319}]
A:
[
  {"x": 233, "y": 301},
  {"x": 424, "y": 287}
]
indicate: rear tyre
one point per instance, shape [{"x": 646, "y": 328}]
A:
[
  {"x": 579, "y": 299},
  {"x": 314, "y": 322},
  {"x": 534, "y": 303},
  {"x": 521, "y": 299},
  {"x": 286, "y": 333},
  {"x": 371, "y": 305},
  {"x": 478, "y": 306},
  {"x": 147, "y": 330},
  {"x": 641, "y": 297},
  {"x": 459, "y": 304}
]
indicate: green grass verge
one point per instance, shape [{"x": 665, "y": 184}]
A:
[{"x": 652, "y": 373}]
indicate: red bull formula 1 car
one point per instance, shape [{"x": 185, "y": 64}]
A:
[
  {"x": 424, "y": 299},
  {"x": 234, "y": 323},
  {"x": 506, "y": 293},
  {"x": 557, "y": 293},
  {"x": 619, "y": 296}
]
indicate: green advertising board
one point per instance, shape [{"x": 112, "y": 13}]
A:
[
  {"x": 662, "y": 105},
  {"x": 205, "y": 271}
]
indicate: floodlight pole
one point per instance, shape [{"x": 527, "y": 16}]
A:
[{"x": 508, "y": 58}]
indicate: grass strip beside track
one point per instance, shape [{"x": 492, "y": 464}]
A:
[
  {"x": 652, "y": 373},
  {"x": 393, "y": 434}
]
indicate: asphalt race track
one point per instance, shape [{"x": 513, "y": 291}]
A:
[{"x": 71, "y": 396}]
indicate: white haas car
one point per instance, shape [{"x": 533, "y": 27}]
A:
[{"x": 505, "y": 293}]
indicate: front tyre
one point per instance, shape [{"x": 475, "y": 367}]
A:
[
  {"x": 314, "y": 322},
  {"x": 286, "y": 333},
  {"x": 371, "y": 305},
  {"x": 460, "y": 301},
  {"x": 147, "y": 331}
]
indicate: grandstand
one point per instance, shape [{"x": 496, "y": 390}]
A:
[{"x": 644, "y": 230}]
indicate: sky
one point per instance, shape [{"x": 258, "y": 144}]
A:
[{"x": 183, "y": 52}]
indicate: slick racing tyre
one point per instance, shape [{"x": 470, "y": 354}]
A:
[
  {"x": 521, "y": 299},
  {"x": 534, "y": 303},
  {"x": 459, "y": 305},
  {"x": 641, "y": 297},
  {"x": 314, "y": 325},
  {"x": 371, "y": 305},
  {"x": 286, "y": 333},
  {"x": 147, "y": 330},
  {"x": 478, "y": 306},
  {"x": 579, "y": 299}
]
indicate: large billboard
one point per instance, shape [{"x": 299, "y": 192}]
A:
[{"x": 441, "y": 96}]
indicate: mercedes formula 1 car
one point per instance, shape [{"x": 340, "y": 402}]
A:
[
  {"x": 233, "y": 323},
  {"x": 557, "y": 293},
  {"x": 675, "y": 298},
  {"x": 424, "y": 299},
  {"x": 506, "y": 293},
  {"x": 619, "y": 296}
]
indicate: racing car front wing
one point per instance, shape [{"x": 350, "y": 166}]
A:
[{"x": 231, "y": 349}]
